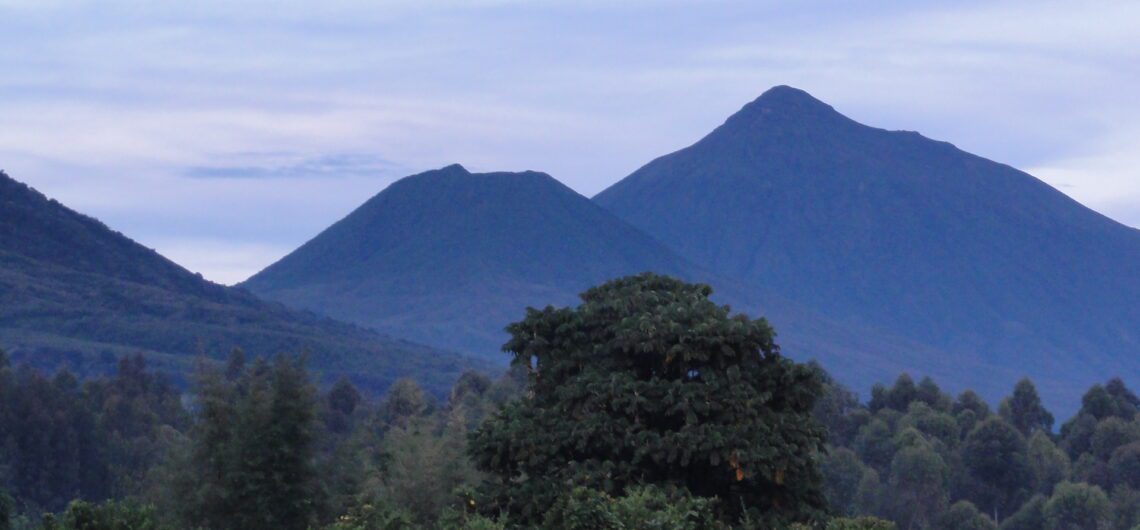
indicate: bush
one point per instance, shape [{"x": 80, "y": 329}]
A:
[
  {"x": 82, "y": 515},
  {"x": 373, "y": 517},
  {"x": 859, "y": 523},
  {"x": 642, "y": 508}
]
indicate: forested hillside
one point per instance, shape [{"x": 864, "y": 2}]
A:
[
  {"x": 605, "y": 420},
  {"x": 75, "y": 293}
]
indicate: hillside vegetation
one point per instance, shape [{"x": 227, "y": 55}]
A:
[
  {"x": 646, "y": 406},
  {"x": 75, "y": 293}
]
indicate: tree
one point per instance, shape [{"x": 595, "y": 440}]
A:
[
  {"x": 1024, "y": 411},
  {"x": 838, "y": 409},
  {"x": 51, "y": 443},
  {"x": 339, "y": 406},
  {"x": 650, "y": 382},
  {"x": 929, "y": 393},
  {"x": 1098, "y": 403},
  {"x": 918, "y": 481},
  {"x": 1078, "y": 507},
  {"x": 842, "y": 473},
  {"x": 898, "y": 397},
  {"x": 969, "y": 410},
  {"x": 404, "y": 401},
  {"x": 1076, "y": 434},
  {"x": 1111, "y": 433},
  {"x": 7, "y": 505},
  {"x": 1031, "y": 515},
  {"x": 1125, "y": 465},
  {"x": 1125, "y": 507},
  {"x": 970, "y": 400},
  {"x": 253, "y": 449},
  {"x": 285, "y": 481},
  {"x": 964, "y": 516},
  {"x": 1047, "y": 463},
  {"x": 1127, "y": 404},
  {"x": 931, "y": 422},
  {"x": 424, "y": 467},
  {"x": 875, "y": 445},
  {"x": 995, "y": 454}
]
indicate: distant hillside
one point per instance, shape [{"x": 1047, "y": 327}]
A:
[
  {"x": 995, "y": 273},
  {"x": 450, "y": 258},
  {"x": 74, "y": 293}
]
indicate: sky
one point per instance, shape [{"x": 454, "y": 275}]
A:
[{"x": 224, "y": 134}]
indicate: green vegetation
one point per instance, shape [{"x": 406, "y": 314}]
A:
[
  {"x": 75, "y": 293},
  {"x": 918, "y": 457},
  {"x": 646, "y": 407},
  {"x": 649, "y": 382}
]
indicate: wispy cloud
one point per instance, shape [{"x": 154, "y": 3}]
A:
[{"x": 326, "y": 166}]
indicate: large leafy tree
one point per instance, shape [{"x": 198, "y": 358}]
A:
[{"x": 650, "y": 382}]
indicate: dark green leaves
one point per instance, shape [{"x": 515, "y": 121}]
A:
[{"x": 650, "y": 382}]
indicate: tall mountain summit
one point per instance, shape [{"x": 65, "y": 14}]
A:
[
  {"x": 893, "y": 232},
  {"x": 75, "y": 293},
  {"x": 450, "y": 257}
]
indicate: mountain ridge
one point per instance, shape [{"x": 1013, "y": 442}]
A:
[
  {"x": 75, "y": 293},
  {"x": 451, "y": 257},
  {"x": 890, "y": 229}
]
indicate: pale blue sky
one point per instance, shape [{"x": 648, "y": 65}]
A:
[{"x": 224, "y": 134}]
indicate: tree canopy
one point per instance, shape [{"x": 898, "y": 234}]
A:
[{"x": 650, "y": 382}]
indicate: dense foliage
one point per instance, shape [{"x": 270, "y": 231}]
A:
[
  {"x": 254, "y": 445},
  {"x": 650, "y": 382},
  {"x": 924, "y": 459}
]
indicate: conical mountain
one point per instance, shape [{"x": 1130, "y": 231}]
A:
[
  {"x": 75, "y": 293},
  {"x": 449, "y": 257},
  {"x": 897, "y": 233}
]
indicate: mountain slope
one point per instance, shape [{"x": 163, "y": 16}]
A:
[
  {"x": 901, "y": 234},
  {"x": 73, "y": 292},
  {"x": 449, "y": 257}
]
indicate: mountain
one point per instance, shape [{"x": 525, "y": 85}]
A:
[
  {"x": 449, "y": 257},
  {"x": 75, "y": 293},
  {"x": 994, "y": 272}
]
